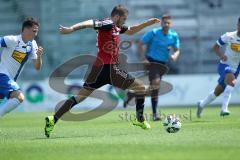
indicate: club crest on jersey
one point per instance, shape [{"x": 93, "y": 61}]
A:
[
  {"x": 116, "y": 31},
  {"x": 19, "y": 56},
  {"x": 235, "y": 47}
]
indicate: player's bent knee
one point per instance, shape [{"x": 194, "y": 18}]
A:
[
  {"x": 18, "y": 95},
  {"x": 83, "y": 94},
  {"x": 231, "y": 83},
  {"x": 140, "y": 88},
  {"x": 21, "y": 98},
  {"x": 156, "y": 81},
  {"x": 234, "y": 82},
  {"x": 155, "y": 84}
]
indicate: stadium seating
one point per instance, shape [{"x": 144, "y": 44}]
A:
[{"x": 199, "y": 24}]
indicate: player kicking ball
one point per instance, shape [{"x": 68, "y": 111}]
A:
[
  {"x": 228, "y": 70},
  {"x": 105, "y": 69},
  {"x": 17, "y": 49}
]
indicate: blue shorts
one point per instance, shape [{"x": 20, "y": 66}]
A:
[
  {"x": 223, "y": 69},
  {"x": 7, "y": 86}
]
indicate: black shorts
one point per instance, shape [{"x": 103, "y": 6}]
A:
[
  {"x": 108, "y": 74},
  {"x": 156, "y": 70}
]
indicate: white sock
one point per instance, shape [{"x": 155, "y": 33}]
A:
[
  {"x": 211, "y": 97},
  {"x": 8, "y": 106},
  {"x": 226, "y": 97}
]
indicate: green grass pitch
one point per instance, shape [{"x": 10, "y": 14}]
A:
[{"x": 113, "y": 137}]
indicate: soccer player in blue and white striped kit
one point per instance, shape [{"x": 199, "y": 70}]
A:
[
  {"x": 17, "y": 49},
  {"x": 228, "y": 70},
  {"x": 158, "y": 42}
]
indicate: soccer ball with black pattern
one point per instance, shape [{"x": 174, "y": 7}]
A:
[{"x": 172, "y": 124}]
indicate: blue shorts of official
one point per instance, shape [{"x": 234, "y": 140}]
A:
[
  {"x": 7, "y": 86},
  {"x": 224, "y": 69}
]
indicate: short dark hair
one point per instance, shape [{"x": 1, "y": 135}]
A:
[
  {"x": 166, "y": 16},
  {"x": 29, "y": 22},
  {"x": 119, "y": 10},
  {"x": 239, "y": 20}
]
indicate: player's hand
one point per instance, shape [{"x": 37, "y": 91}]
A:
[
  {"x": 173, "y": 57},
  {"x": 65, "y": 30},
  {"x": 223, "y": 57},
  {"x": 153, "y": 21},
  {"x": 39, "y": 51}
]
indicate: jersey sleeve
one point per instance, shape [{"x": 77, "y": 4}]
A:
[
  {"x": 223, "y": 39},
  {"x": 2, "y": 42},
  {"x": 124, "y": 29},
  {"x": 176, "y": 44},
  {"x": 8, "y": 41},
  {"x": 147, "y": 37},
  {"x": 33, "y": 54},
  {"x": 102, "y": 25}
]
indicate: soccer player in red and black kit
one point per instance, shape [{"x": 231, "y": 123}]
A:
[{"x": 106, "y": 68}]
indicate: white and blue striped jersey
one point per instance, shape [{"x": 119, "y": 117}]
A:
[
  {"x": 232, "y": 51},
  {"x": 15, "y": 54}
]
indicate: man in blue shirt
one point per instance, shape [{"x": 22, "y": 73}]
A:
[{"x": 156, "y": 44}]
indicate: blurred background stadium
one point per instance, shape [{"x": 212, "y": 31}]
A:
[{"x": 198, "y": 22}]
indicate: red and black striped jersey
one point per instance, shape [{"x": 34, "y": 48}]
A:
[{"x": 108, "y": 41}]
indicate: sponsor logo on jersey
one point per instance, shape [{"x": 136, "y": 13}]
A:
[
  {"x": 18, "y": 56},
  {"x": 235, "y": 47}
]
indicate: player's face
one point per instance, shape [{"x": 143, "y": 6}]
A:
[
  {"x": 121, "y": 20},
  {"x": 32, "y": 31},
  {"x": 166, "y": 23}
]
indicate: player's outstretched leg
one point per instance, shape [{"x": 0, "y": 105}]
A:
[
  {"x": 139, "y": 89},
  {"x": 140, "y": 120},
  {"x": 16, "y": 98},
  {"x": 143, "y": 125},
  {"x": 68, "y": 104},
  {"x": 49, "y": 125},
  {"x": 226, "y": 99},
  {"x": 50, "y": 121},
  {"x": 224, "y": 113},
  {"x": 230, "y": 81},
  {"x": 129, "y": 96},
  {"x": 208, "y": 99}
]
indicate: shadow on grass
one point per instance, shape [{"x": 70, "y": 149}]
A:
[{"x": 78, "y": 136}]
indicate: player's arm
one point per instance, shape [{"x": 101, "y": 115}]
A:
[
  {"x": 176, "y": 48},
  {"x": 38, "y": 60},
  {"x": 219, "y": 53},
  {"x": 175, "y": 54},
  {"x": 219, "y": 43},
  {"x": 75, "y": 27},
  {"x": 134, "y": 29}
]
